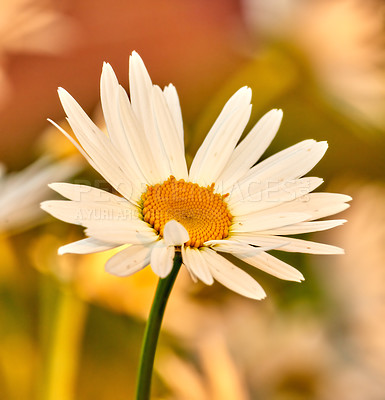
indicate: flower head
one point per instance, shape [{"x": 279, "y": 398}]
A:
[{"x": 225, "y": 202}]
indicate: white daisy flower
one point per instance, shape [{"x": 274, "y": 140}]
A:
[
  {"x": 21, "y": 192},
  {"x": 224, "y": 203}
]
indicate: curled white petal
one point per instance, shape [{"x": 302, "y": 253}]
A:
[
  {"x": 175, "y": 234},
  {"x": 196, "y": 264},
  {"x": 128, "y": 261},
  {"x": 162, "y": 257},
  {"x": 232, "y": 277}
]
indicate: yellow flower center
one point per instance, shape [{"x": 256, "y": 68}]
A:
[{"x": 202, "y": 212}]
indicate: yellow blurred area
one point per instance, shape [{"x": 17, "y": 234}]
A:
[{"x": 69, "y": 330}]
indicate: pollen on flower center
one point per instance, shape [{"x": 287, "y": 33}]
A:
[{"x": 201, "y": 211}]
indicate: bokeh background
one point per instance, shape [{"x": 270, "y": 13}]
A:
[{"x": 68, "y": 330}]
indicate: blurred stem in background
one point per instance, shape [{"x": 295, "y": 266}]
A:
[
  {"x": 17, "y": 350},
  {"x": 151, "y": 334},
  {"x": 63, "y": 317}
]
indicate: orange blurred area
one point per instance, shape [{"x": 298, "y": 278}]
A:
[
  {"x": 193, "y": 43},
  {"x": 68, "y": 330}
]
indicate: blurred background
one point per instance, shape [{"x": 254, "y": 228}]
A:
[{"x": 70, "y": 331}]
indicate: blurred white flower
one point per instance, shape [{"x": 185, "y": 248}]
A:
[
  {"x": 300, "y": 354},
  {"x": 21, "y": 192},
  {"x": 342, "y": 39}
]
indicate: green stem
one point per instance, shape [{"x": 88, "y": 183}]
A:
[
  {"x": 152, "y": 330},
  {"x": 61, "y": 358}
]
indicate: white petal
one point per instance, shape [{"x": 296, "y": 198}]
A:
[
  {"x": 317, "y": 205},
  {"x": 75, "y": 143},
  {"x": 311, "y": 149},
  {"x": 275, "y": 194},
  {"x": 175, "y": 234},
  {"x": 172, "y": 99},
  {"x": 220, "y": 142},
  {"x": 291, "y": 163},
  {"x": 196, "y": 264},
  {"x": 84, "y": 193},
  {"x": 288, "y": 244},
  {"x": 107, "y": 222},
  {"x": 259, "y": 222},
  {"x": 192, "y": 275},
  {"x": 305, "y": 227},
  {"x": 85, "y": 246},
  {"x": 271, "y": 265},
  {"x": 120, "y": 232},
  {"x": 232, "y": 277},
  {"x": 170, "y": 137},
  {"x": 128, "y": 261},
  {"x": 89, "y": 213},
  {"x": 137, "y": 139},
  {"x": 141, "y": 100},
  {"x": 162, "y": 258},
  {"x": 109, "y": 94},
  {"x": 248, "y": 152},
  {"x": 105, "y": 157},
  {"x": 237, "y": 246}
]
